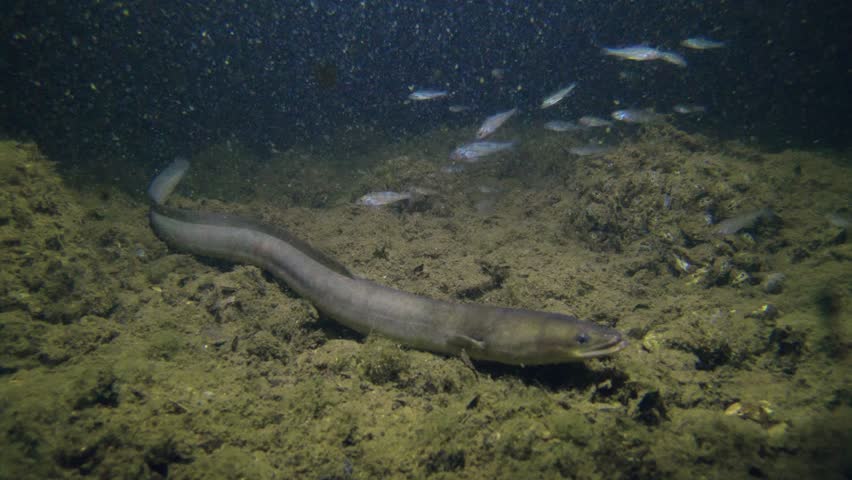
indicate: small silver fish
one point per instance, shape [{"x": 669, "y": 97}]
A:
[
  {"x": 593, "y": 122},
  {"x": 458, "y": 108},
  {"x": 686, "y": 108},
  {"x": 644, "y": 53},
  {"x": 673, "y": 58},
  {"x": 743, "y": 221},
  {"x": 589, "y": 150},
  {"x": 494, "y": 122},
  {"x": 637, "y": 116},
  {"x": 379, "y": 199},
  {"x": 562, "y": 126},
  {"x": 427, "y": 94},
  {"x": 639, "y": 53},
  {"x": 472, "y": 152},
  {"x": 701, "y": 43},
  {"x": 557, "y": 96}
]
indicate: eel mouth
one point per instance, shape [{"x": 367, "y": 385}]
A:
[{"x": 613, "y": 346}]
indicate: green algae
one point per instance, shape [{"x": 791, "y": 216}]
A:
[{"x": 122, "y": 359}]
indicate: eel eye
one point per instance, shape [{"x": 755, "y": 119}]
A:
[{"x": 582, "y": 338}]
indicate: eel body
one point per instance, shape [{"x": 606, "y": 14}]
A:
[{"x": 506, "y": 335}]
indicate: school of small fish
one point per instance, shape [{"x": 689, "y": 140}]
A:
[{"x": 478, "y": 148}]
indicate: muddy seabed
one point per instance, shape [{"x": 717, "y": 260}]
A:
[{"x": 123, "y": 359}]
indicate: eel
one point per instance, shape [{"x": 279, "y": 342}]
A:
[{"x": 482, "y": 332}]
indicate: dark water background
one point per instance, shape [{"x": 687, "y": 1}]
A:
[{"x": 145, "y": 80}]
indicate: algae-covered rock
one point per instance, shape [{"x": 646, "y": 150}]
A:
[
  {"x": 121, "y": 358},
  {"x": 383, "y": 361}
]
